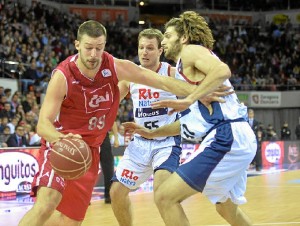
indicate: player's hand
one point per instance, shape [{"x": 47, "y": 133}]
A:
[
  {"x": 146, "y": 133},
  {"x": 130, "y": 127},
  {"x": 175, "y": 105},
  {"x": 116, "y": 142},
  {"x": 68, "y": 135},
  {"x": 216, "y": 96}
]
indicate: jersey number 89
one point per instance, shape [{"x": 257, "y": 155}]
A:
[{"x": 97, "y": 122}]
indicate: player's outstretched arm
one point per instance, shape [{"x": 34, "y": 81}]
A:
[
  {"x": 172, "y": 129},
  {"x": 180, "y": 105},
  {"x": 129, "y": 71},
  {"x": 123, "y": 88}
]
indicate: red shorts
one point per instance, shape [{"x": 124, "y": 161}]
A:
[{"x": 76, "y": 194}]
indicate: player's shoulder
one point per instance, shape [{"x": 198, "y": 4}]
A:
[{"x": 192, "y": 49}]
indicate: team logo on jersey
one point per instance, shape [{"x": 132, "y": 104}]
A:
[
  {"x": 106, "y": 73},
  {"x": 98, "y": 99},
  {"x": 128, "y": 177},
  {"x": 145, "y": 94}
]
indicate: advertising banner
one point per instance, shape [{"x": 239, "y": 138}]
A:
[
  {"x": 18, "y": 166},
  {"x": 281, "y": 153},
  {"x": 17, "y": 169},
  {"x": 292, "y": 154},
  {"x": 265, "y": 99},
  {"x": 272, "y": 153}
]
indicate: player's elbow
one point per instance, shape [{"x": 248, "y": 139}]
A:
[
  {"x": 39, "y": 130},
  {"x": 224, "y": 71}
]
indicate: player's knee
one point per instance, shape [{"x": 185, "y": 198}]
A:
[
  {"x": 45, "y": 211},
  {"x": 160, "y": 198},
  {"x": 118, "y": 191}
]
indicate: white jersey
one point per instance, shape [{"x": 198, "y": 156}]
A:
[
  {"x": 197, "y": 126},
  {"x": 142, "y": 96}
]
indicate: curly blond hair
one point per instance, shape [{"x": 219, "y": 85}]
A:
[{"x": 194, "y": 26}]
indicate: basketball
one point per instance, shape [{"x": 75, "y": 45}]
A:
[{"x": 70, "y": 158}]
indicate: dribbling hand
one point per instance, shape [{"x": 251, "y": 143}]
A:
[{"x": 68, "y": 135}]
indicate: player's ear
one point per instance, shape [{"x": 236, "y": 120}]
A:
[
  {"x": 184, "y": 39},
  {"x": 160, "y": 50},
  {"x": 76, "y": 43}
]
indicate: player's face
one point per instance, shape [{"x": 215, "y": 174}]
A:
[
  {"x": 149, "y": 53},
  {"x": 90, "y": 51},
  {"x": 171, "y": 44}
]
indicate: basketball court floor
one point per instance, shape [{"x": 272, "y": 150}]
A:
[{"x": 273, "y": 199}]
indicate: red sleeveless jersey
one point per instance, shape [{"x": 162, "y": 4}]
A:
[{"x": 91, "y": 105}]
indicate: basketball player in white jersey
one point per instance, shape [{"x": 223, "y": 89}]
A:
[
  {"x": 218, "y": 168},
  {"x": 144, "y": 157}
]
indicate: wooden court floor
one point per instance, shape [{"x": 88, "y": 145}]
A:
[{"x": 273, "y": 199}]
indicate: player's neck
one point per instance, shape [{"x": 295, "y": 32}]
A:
[{"x": 155, "y": 67}]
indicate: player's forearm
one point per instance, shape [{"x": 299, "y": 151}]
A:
[
  {"x": 46, "y": 130},
  {"x": 115, "y": 130},
  {"x": 211, "y": 82},
  {"x": 172, "y": 129},
  {"x": 177, "y": 87}
]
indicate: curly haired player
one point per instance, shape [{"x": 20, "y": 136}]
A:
[{"x": 218, "y": 168}]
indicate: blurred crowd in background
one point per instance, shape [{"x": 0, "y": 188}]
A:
[{"x": 38, "y": 38}]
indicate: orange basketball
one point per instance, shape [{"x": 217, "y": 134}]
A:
[{"x": 70, "y": 158}]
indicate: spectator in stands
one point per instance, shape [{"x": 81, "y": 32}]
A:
[
  {"x": 28, "y": 132},
  {"x": 6, "y": 111},
  {"x": 35, "y": 111},
  {"x": 29, "y": 76},
  {"x": 252, "y": 121},
  {"x": 7, "y": 93},
  {"x": 14, "y": 102},
  {"x": 258, "y": 159},
  {"x": 4, "y": 136},
  {"x": 20, "y": 112},
  {"x": 28, "y": 102},
  {"x": 3, "y": 123},
  {"x": 271, "y": 134},
  {"x": 12, "y": 124},
  {"x": 255, "y": 127},
  {"x": 1, "y": 91},
  {"x": 3, "y": 100},
  {"x": 17, "y": 139},
  {"x": 30, "y": 118},
  {"x": 285, "y": 131}
]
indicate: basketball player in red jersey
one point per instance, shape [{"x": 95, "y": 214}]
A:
[{"x": 82, "y": 100}]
